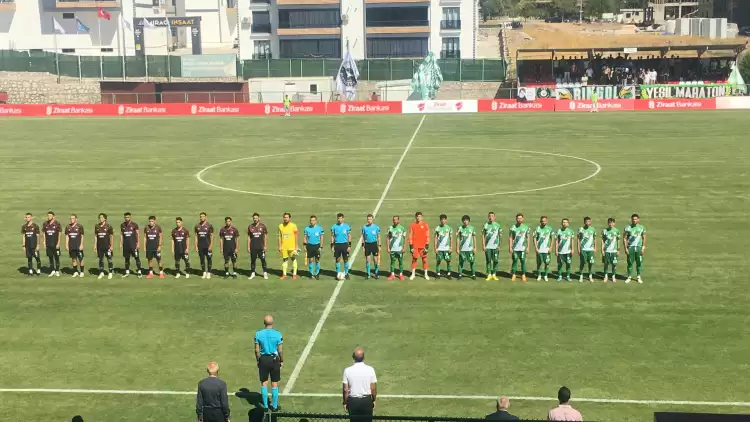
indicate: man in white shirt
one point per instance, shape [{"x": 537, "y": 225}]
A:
[{"x": 360, "y": 388}]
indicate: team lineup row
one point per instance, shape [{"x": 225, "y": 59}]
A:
[{"x": 563, "y": 242}]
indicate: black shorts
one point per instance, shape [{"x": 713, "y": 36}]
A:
[
  {"x": 153, "y": 255},
  {"x": 313, "y": 251},
  {"x": 31, "y": 253},
  {"x": 180, "y": 254},
  {"x": 229, "y": 254},
  {"x": 371, "y": 249},
  {"x": 204, "y": 252},
  {"x": 340, "y": 250},
  {"x": 75, "y": 253},
  {"x": 52, "y": 251},
  {"x": 269, "y": 366},
  {"x": 128, "y": 252},
  {"x": 101, "y": 253}
]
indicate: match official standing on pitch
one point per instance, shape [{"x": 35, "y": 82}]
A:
[
  {"x": 270, "y": 357},
  {"x": 212, "y": 403},
  {"x": 360, "y": 390}
]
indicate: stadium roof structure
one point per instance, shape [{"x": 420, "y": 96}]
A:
[{"x": 662, "y": 50}]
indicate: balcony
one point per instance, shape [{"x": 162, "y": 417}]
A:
[
  {"x": 306, "y": 2},
  {"x": 450, "y": 54},
  {"x": 308, "y": 31},
  {"x": 260, "y": 28},
  {"x": 7, "y": 5},
  {"x": 258, "y": 56},
  {"x": 450, "y": 25},
  {"x": 231, "y": 4},
  {"x": 391, "y": 24},
  {"x": 86, "y": 4},
  {"x": 260, "y": 2},
  {"x": 397, "y": 3},
  {"x": 398, "y": 27}
]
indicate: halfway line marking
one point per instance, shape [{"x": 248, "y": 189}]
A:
[
  {"x": 387, "y": 396},
  {"x": 314, "y": 336}
]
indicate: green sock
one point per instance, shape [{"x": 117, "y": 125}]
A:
[
  {"x": 472, "y": 265},
  {"x": 513, "y": 264},
  {"x": 401, "y": 263},
  {"x": 437, "y": 266},
  {"x": 523, "y": 266},
  {"x": 448, "y": 265}
]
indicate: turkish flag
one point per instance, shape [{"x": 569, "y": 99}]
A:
[{"x": 103, "y": 14}]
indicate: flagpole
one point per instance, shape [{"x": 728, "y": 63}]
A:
[
  {"x": 120, "y": 34},
  {"x": 169, "y": 61},
  {"x": 99, "y": 34},
  {"x": 54, "y": 43},
  {"x": 145, "y": 49}
]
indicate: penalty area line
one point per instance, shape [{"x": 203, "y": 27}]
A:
[
  {"x": 324, "y": 316},
  {"x": 385, "y": 396}
]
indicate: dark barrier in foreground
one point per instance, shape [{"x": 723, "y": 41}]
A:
[
  {"x": 698, "y": 417},
  {"x": 312, "y": 417}
]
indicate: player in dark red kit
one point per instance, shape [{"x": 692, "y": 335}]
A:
[
  {"x": 130, "y": 242},
  {"x": 52, "y": 230},
  {"x": 204, "y": 244},
  {"x": 154, "y": 238},
  {"x": 74, "y": 245},
  {"x": 181, "y": 247},
  {"x": 104, "y": 237},
  {"x": 257, "y": 238},
  {"x": 229, "y": 235},
  {"x": 30, "y": 244}
]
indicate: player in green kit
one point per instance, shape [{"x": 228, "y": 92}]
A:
[
  {"x": 586, "y": 249},
  {"x": 466, "y": 244},
  {"x": 518, "y": 245},
  {"x": 395, "y": 247},
  {"x": 635, "y": 245},
  {"x": 542, "y": 242},
  {"x": 610, "y": 249},
  {"x": 563, "y": 249},
  {"x": 443, "y": 245},
  {"x": 491, "y": 233}
]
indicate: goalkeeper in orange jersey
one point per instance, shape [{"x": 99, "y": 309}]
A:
[{"x": 419, "y": 241}]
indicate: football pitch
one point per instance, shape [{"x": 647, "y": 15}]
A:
[{"x": 440, "y": 347}]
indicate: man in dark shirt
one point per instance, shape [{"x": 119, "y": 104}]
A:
[
  {"x": 103, "y": 239},
  {"x": 257, "y": 236},
  {"x": 52, "y": 230},
  {"x": 204, "y": 244},
  {"x": 74, "y": 245},
  {"x": 130, "y": 243},
  {"x": 229, "y": 235},
  {"x": 212, "y": 403},
  {"x": 181, "y": 247},
  {"x": 154, "y": 238},
  {"x": 30, "y": 244},
  {"x": 502, "y": 411}
]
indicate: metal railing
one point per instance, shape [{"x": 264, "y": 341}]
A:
[
  {"x": 311, "y": 417},
  {"x": 450, "y": 54},
  {"x": 260, "y": 28},
  {"x": 287, "y": 25},
  {"x": 450, "y": 24},
  {"x": 399, "y": 23},
  {"x": 7, "y": 1},
  {"x": 170, "y": 67}
]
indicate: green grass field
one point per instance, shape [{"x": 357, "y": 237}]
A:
[{"x": 680, "y": 336}]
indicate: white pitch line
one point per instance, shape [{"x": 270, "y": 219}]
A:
[
  {"x": 316, "y": 332},
  {"x": 386, "y": 396}
]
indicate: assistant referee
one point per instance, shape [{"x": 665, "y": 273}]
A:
[
  {"x": 270, "y": 357},
  {"x": 360, "y": 388}
]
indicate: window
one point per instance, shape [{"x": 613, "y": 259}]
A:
[
  {"x": 107, "y": 50},
  {"x": 156, "y": 3},
  {"x": 262, "y": 49},
  {"x": 69, "y": 15},
  {"x": 379, "y": 48},
  {"x": 451, "y": 13},
  {"x": 313, "y": 88},
  {"x": 311, "y": 18},
  {"x": 397, "y": 16},
  {"x": 298, "y": 49},
  {"x": 261, "y": 23},
  {"x": 68, "y": 50},
  {"x": 451, "y": 48}
]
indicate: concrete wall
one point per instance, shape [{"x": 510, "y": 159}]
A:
[{"x": 41, "y": 88}]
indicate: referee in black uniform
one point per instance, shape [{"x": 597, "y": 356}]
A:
[
  {"x": 212, "y": 403},
  {"x": 360, "y": 388}
]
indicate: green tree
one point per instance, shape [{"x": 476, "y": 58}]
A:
[
  {"x": 595, "y": 8},
  {"x": 743, "y": 64},
  {"x": 488, "y": 8},
  {"x": 525, "y": 8},
  {"x": 565, "y": 8}
]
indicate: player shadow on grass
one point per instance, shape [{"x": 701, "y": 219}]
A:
[{"x": 254, "y": 399}]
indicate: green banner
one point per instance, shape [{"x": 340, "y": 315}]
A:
[
  {"x": 685, "y": 91},
  {"x": 209, "y": 66},
  {"x": 584, "y": 92}
]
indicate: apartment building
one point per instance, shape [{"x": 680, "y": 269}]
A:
[
  {"x": 367, "y": 28},
  {"x": 255, "y": 29}
]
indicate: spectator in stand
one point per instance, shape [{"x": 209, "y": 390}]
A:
[
  {"x": 564, "y": 412},
  {"x": 502, "y": 413}
]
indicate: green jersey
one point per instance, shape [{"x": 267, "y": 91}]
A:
[
  {"x": 518, "y": 235},
  {"x": 466, "y": 235},
  {"x": 443, "y": 234},
  {"x": 564, "y": 241},
  {"x": 611, "y": 239},
  {"x": 543, "y": 238},
  {"x": 492, "y": 233},
  {"x": 586, "y": 238},
  {"x": 634, "y": 235},
  {"x": 396, "y": 236}
]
